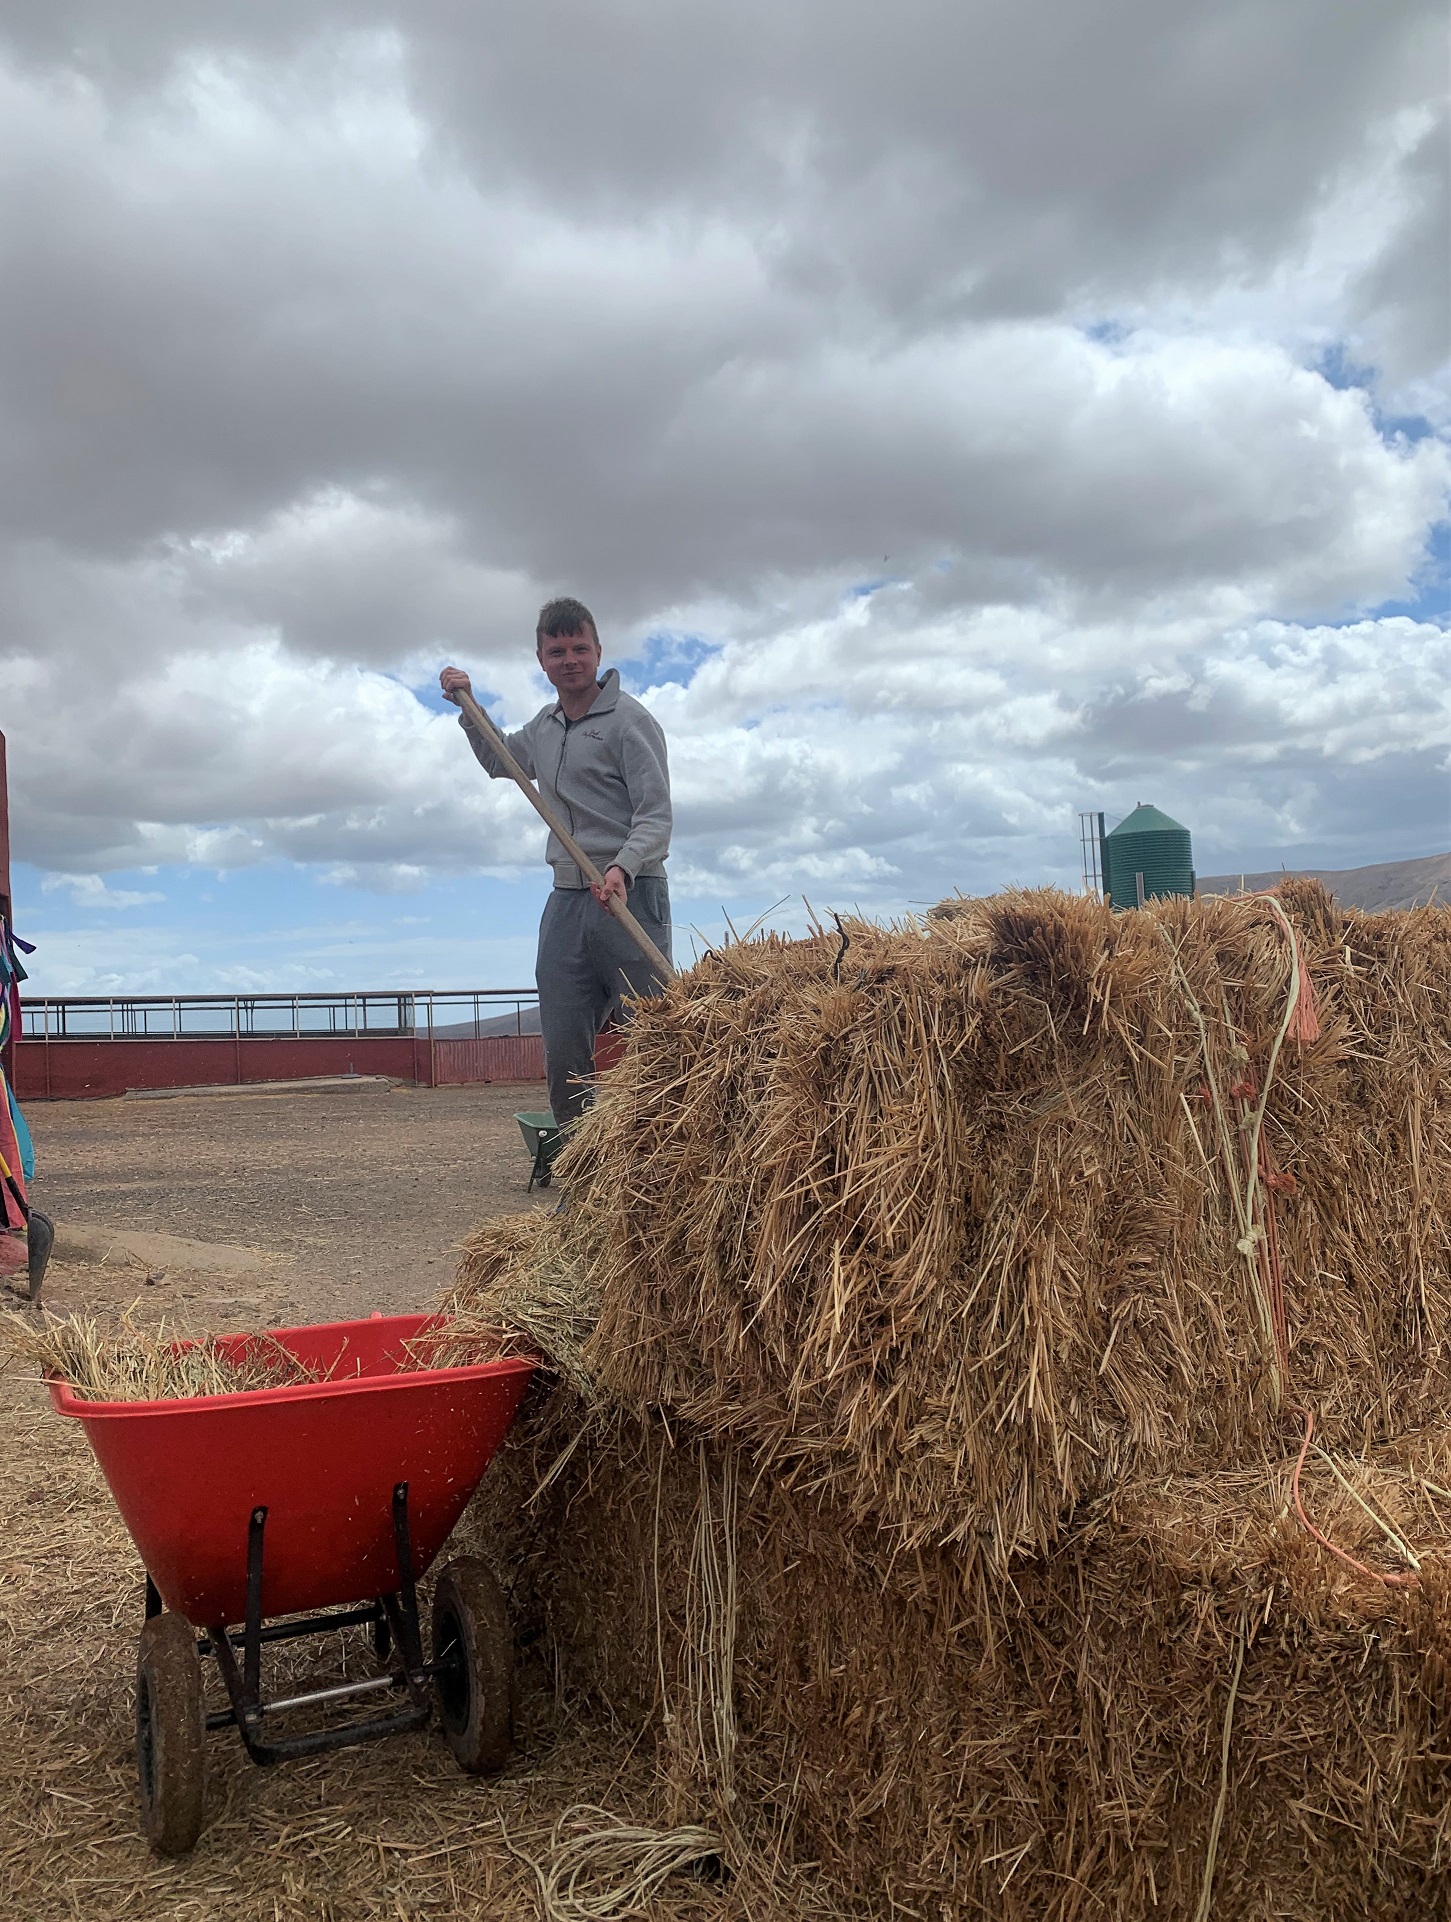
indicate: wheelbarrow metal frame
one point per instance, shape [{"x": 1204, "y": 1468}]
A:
[{"x": 395, "y": 1622}]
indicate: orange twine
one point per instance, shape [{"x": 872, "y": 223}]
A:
[
  {"x": 1305, "y": 1015},
  {"x": 1303, "y": 1026},
  {"x": 1305, "y": 1019},
  {"x": 1361, "y": 1568}
]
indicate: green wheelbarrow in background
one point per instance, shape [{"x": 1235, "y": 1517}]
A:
[{"x": 542, "y": 1141}]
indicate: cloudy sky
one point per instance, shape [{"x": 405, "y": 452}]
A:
[{"x": 957, "y": 413}]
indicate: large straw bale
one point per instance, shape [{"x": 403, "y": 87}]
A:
[
  {"x": 942, "y": 1223},
  {"x": 1068, "y": 1764},
  {"x": 922, "y": 1481}
]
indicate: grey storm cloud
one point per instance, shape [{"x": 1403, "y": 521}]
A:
[
  {"x": 962, "y": 375},
  {"x": 931, "y": 159}
]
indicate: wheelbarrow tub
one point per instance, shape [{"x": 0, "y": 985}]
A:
[
  {"x": 543, "y": 1141},
  {"x": 323, "y": 1459},
  {"x": 539, "y": 1129}
]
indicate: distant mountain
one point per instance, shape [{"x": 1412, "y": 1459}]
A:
[
  {"x": 1389, "y": 884},
  {"x": 525, "y": 1022}
]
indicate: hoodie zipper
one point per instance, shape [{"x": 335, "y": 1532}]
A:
[
  {"x": 559, "y": 770},
  {"x": 568, "y": 724}
]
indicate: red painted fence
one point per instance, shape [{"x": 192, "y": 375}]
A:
[
  {"x": 71, "y": 1070},
  {"x": 493, "y": 1057}
]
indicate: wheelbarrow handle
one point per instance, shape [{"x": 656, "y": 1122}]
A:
[{"x": 480, "y": 722}]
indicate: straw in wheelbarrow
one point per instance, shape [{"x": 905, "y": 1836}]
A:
[
  {"x": 131, "y": 1363},
  {"x": 143, "y": 1364}
]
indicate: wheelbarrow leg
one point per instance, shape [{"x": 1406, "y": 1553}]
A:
[
  {"x": 252, "y": 1653},
  {"x": 382, "y": 1636},
  {"x": 412, "y": 1647},
  {"x": 402, "y": 1607},
  {"x": 244, "y": 1685}
]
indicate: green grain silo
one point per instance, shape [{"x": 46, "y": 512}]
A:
[{"x": 1147, "y": 854}]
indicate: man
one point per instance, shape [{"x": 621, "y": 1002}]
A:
[{"x": 599, "y": 759}]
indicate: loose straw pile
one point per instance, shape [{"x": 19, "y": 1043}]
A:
[
  {"x": 601, "y": 1867},
  {"x": 525, "y": 1287}
]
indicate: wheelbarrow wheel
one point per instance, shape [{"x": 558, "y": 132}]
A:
[
  {"x": 473, "y": 1654},
  {"x": 170, "y": 1735}
]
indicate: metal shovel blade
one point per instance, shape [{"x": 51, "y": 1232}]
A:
[{"x": 40, "y": 1239}]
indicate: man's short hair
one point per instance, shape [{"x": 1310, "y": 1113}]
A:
[{"x": 564, "y": 616}]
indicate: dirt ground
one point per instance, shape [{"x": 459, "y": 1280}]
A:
[
  {"x": 249, "y": 1210},
  {"x": 356, "y": 1196}
]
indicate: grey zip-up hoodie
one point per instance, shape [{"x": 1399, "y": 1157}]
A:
[{"x": 606, "y": 775}]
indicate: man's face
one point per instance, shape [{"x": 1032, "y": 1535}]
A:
[{"x": 571, "y": 662}]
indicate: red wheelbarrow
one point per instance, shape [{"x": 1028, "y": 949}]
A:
[{"x": 274, "y": 1509}]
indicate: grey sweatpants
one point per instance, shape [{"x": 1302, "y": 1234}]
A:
[{"x": 587, "y": 964}]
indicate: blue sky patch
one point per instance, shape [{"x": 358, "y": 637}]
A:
[
  {"x": 1433, "y": 600},
  {"x": 665, "y": 657}
]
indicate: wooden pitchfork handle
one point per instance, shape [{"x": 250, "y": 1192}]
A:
[{"x": 480, "y": 721}]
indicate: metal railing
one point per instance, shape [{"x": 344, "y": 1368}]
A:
[{"x": 435, "y": 1012}]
